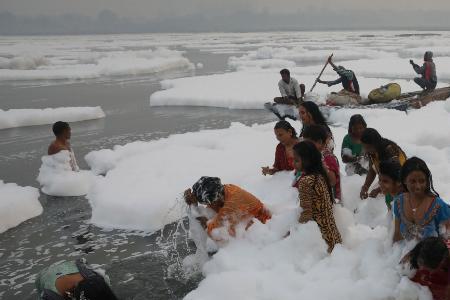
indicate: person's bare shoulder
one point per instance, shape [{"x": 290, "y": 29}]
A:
[{"x": 54, "y": 148}]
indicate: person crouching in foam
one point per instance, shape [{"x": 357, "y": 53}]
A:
[
  {"x": 63, "y": 133},
  {"x": 232, "y": 204}
]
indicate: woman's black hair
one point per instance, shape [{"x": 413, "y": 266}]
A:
[
  {"x": 311, "y": 160},
  {"x": 285, "y": 71},
  {"x": 354, "y": 120},
  {"x": 286, "y": 126},
  {"x": 416, "y": 164},
  {"x": 429, "y": 252},
  {"x": 391, "y": 169},
  {"x": 316, "y": 115},
  {"x": 316, "y": 133},
  {"x": 94, "y": 288},
  {"x": 371, "y": 137}
]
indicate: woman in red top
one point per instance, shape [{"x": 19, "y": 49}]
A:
[
  {"x": 284, "y": 153},
  {"x": 431, "y": 259}
]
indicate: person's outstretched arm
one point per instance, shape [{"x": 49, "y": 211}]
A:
[
  {"x": 418, "y": 69},
  {"x": 369, "y": 180}
]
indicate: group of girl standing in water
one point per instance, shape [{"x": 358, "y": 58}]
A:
[{"x": 407, "y": 184}]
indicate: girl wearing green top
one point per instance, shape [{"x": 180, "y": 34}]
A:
[{"x": 352, "y": 151}]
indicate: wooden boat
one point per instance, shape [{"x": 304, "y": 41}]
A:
[
  {"x": 404, "y": 102},
  {"x": 412, "y": 100}
]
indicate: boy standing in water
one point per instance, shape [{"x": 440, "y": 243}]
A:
[{"x": 63, "y": 133}]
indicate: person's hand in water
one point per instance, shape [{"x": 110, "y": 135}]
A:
[
  {"x": 374, "y": 193},
  {"x": 203, "y": 221},
  {"x": 189, "y": 198},
  {"x": 411, "y": 61},
  {"x": 267, "y": 171},
  {"x": 364, "y": 192}
]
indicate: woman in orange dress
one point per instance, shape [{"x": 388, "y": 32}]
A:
[{"x": 232, "y": 204}]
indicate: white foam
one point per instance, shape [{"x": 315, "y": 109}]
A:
[
  {"x": 17, "y": 204},
  {"x": 144, "y": 182},
  {"x": 250, "y": 89},
  {"x": 57, "y": 178},
  {"x": 88, "y": 65},
  {"x": 30, "y": 117}
]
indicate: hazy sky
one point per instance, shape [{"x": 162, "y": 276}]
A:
[{"x": 166, "y": 8}]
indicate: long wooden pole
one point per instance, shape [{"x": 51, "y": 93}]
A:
[{"x": 321, "y": 72}]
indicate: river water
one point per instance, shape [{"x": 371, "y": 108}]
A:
[{"x": 140, "y": 265}]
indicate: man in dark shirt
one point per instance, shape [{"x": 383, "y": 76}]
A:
[{"x": 346, "y": 77}]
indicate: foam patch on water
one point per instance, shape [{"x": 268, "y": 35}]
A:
[
  {"x": 57, "y": 177},
  {"x": 88, "y": 65},
  {"x": 30, "y": 117},
  {"x": 17, "y": 204}
]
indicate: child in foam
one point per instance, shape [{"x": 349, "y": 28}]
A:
[
  {"x": 315, "y": 192},
  {"x": 63, "y": 133},
  {"x": 431, "y": 259},
  {"x": 317, "y": 134},
  {"x": 390, "y": 183},
  {"x": 310, "y": 114},
  {"x": 284, "y": 153},
  {"x": 72, "y": 280},
  {"x": 419, "y": 212},
  {"x": 378, "y": 149},
  {"x": 232, "y": 204},
  {"x": 352, "y": 150}
]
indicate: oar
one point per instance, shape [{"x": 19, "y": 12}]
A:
[{"x": 321, "y": 72}]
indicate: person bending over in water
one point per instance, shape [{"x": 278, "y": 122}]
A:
[
  {"x": 390, "y": 183},
  {"x": 352, "y": 150},
  {"x": 292, "y": 93},
  {"x": 315, "y": 193},
  {"x": 72, "y": 280},
  {"x": 63, "y": 133},
  {"x": 419, "y": 212},
  {"x": 317, "y": 134},
  {"x": 232, "y": 204},
  {"x": 284, "y": 153},
  {"x": 378, "y": 149}
]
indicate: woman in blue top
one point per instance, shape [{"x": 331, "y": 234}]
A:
[{"x": 419, "y": 212}]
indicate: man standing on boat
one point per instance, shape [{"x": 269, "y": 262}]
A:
[
  {"x": 350, "y": 93},
  {"x": 292, "y": 93},
  {"x": 428, "y": 80}
]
